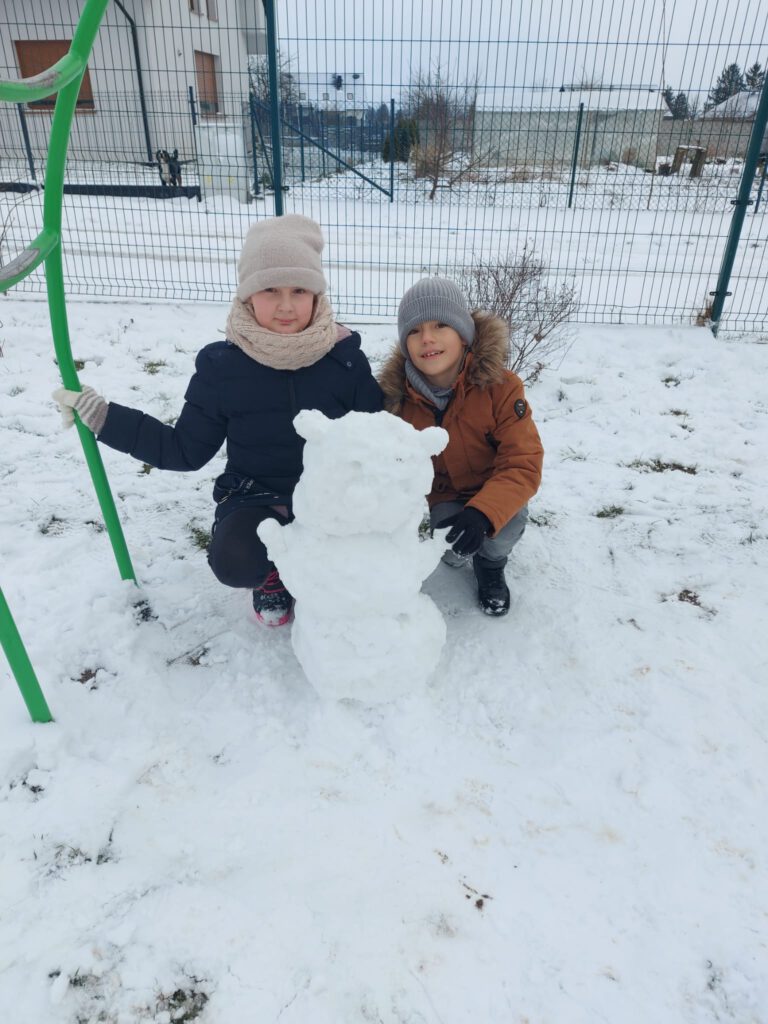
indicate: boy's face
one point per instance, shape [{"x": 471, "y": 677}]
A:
[
  {"x": 436, "y": 350},
  {"x": 283, "y": 310}
]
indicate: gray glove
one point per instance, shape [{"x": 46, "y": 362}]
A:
[{"x": 89, "y": 405}]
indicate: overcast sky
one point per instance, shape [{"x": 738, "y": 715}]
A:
[{"x": 530, "y": 43}]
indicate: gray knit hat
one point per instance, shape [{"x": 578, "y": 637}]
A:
[
  {"x": 281, "y": 252},
  {"x": 434, "y": 298}
]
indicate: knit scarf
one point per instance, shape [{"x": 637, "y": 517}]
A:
[{"x": 283, "y": 351}]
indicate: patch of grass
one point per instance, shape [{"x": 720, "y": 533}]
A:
[
  {"x": 184, "y": 1005},
  {"x": 571, "y": 455},
  {"x": 95, "y": 525},
  {"x": 690, "y": 597},
  {"x": 196, "y": 657},
  {"x": 670, "y": 382},
  {"x": 53, "y": 526},
  {"x": 145, "y": 468},
  {"x": 657, "y": 466},
  {"x": 143, "y": 612},
  {"x": 87, "y": 676},
  {"x": 752, "y": 537},
  {"x": 610, "y": 512},
  {"x": 544, "y": 519},
  {"x": 16, "y": 389},
  {"x": 200, "y": 536},
  {"x": 153, "y": 366}
]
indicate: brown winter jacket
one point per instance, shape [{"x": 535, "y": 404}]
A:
[{"x": 494, "y": 454}]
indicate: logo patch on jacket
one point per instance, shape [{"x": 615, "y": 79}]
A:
[{"x": 521, "y": 407}]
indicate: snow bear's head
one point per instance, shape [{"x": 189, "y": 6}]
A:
[{"x": 364, "y": 472}]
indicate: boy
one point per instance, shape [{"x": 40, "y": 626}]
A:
[{"x": 450, "y": 370}]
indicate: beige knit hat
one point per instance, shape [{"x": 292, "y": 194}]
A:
[{"x": 281, "y": 252}]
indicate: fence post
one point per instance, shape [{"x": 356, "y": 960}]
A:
[
  {"x": 740, "y": 204},
  {"x": 252, "y": 108},
  {"x": 762, "y": 184},
  {"x": 301, "y": 146},
  {"x": 392, "y": 151},
  {"x": 575, "y": 160},
  {"x": 27, "y": 145},
  {"x": 193, "y": 112},
  {"x": 274, "y": 106}
]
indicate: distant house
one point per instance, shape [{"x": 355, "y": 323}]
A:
[
  {"x": 723, "y": 131},
  {"x": 537, "y": 127},
  {"x": 135, "y": 96}
]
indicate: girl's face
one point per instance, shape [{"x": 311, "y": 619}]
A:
[
  {"x": 436, "y": 350},
  {"x": 283, "y": 310}
]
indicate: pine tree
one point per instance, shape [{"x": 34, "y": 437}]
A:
[
  {"x": 729, "y": 82},
  {"x": 755, "y": 76},
  {"x": 679, "y": 107}
]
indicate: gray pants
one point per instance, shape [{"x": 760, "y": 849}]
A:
[{"x": 494, "y": 550}]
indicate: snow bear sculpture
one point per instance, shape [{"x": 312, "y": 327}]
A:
[{"x": 353, "y": 559}]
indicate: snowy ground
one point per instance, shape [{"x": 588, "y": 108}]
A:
[{"x": 568, "y": 828}]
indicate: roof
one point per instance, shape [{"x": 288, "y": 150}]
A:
[
  {"x": 568, "y": 98},
  {"x": 742, "y": 105}
]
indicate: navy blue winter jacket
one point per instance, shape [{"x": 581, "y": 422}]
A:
[{"x": 233, "y": 398}]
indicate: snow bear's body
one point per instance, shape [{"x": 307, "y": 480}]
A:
[{"x": 353, "y": 559}]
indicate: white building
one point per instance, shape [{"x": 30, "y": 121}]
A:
[{"x": 147, "y": 56}]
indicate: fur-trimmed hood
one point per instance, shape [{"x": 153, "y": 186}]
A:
[{"x": 485, "y": 365}]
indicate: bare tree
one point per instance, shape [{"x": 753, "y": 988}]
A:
[
  {"x": 514, "y": 288},
  {"x": 445, "y": 115},
  {"x": 258, "y": 77}
]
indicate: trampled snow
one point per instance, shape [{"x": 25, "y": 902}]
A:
[
  {"x": 567, "y": 826},
  {"x": 353, "y": 558}
]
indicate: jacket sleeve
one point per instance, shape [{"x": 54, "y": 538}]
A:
[
  {"x": 192, "y": 441},
  {"x": 519, "y": 458},
  {"x": 368, "y": 395}
]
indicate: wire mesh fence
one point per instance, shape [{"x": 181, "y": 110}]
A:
[{"x": 425, "y": 137}]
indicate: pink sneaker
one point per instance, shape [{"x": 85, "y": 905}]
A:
[{"x": 272, "y": 604}]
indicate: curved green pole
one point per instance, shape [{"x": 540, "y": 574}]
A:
[
  {"x": 66, "y": 101},
  {"x": 21, "y": 666},
  {"x": 64, "y": 78}
]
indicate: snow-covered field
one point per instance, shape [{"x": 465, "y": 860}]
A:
[{"x": 568, "y": 828}]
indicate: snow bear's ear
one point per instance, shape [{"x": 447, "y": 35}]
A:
[
  {"x": 433, "y": 440},
  {"x": 311, "y": 424}
]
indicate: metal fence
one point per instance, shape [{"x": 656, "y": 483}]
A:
[{"x": 426, "y": 137}]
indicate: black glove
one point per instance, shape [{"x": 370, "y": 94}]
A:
[{"x": 469, "y": 528}]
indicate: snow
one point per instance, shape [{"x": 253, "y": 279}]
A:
[
  {"x": 566, "y": 825},
  {"x": 353, "y": 558}
]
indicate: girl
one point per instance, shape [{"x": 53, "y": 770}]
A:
[
  {"x": 450, "y": 369},
  {"x": 283, "y": 353}
]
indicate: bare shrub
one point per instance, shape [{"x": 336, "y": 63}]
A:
[{"x": 514, "y": 288}]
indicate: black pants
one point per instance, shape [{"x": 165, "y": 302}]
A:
[{"x": 237, "y": 555}]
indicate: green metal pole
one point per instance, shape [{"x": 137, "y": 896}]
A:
[
  {"x": 740, "y": 204},
  {"x": 274, "y": 104},
  {"x": 301, "y": 146},
  {"x": 52, "y": 216},
  {"x": 392, "y": 151},
  {"x": 575, "y": 160},
  {"x": 21, "y": 666}
]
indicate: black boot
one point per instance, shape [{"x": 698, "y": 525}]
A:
[
  {"x": 272, "y": 603},
  {"x": 492, "y": 589}
]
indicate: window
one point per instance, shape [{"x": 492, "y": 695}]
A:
[
  {"x": 37, "y": 55},
  {"x": 207, "y": 92},
  {"x": 213, "y": 10},
  {"x": 194, "y": 6}
]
